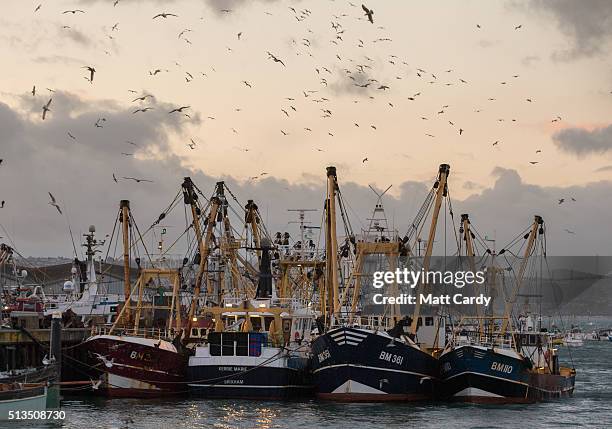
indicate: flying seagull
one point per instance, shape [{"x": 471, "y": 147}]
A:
[
  {"x": 46, "y": 108},
  {"x": 364, "y": 160},
  {"x": 369, "y": 13},
  {"x": 73, "y": 11},
  {"x": 165, "y": 15},
  {"x": 115, "y": 178},
  {"x": 143, "y": 110},
  {"x": 138, "y": 180},
  {"x": 91, "y": 73},
  {"x": 143, "y": 98},
  {"x": 275, "y": 58},
  {"x": 179, "y": 109},
  {"x": 53, "y": 202}
]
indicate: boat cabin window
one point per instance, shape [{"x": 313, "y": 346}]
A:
[
  {"x": 429, "y": 321},
  {"x": 194, "y": 332},
  {"x": 256, "y": 323},
  {"x": 267, "y": 321},
  {"x": 236, "y": 343},
  {"x": 420, "y": 322}
]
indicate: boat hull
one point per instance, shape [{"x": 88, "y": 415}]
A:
[
  {"x": 250, "y": 381},
  {"x": 480, "y": 375},
  {"x": 132, "y": 367},
  {"x": 29, "y": 399},
  {"x": 359, "y": 365}
]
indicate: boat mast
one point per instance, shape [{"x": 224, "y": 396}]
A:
[
  {"x": 468, "y": 236},
  {"x": 331, "y": 243},
  {"x": 252, "y": 218},
  {"x": 124, "y": 206},
  {"x": 441, "y": 191},
  {"x": 537, "y": 226},
  {"x": 191, "y": 198}
]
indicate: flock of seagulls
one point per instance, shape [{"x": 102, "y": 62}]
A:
[{"x": 358, "y": 73}]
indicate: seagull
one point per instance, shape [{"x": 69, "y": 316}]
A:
[
  {"x": 143, "y": 98},
  {"x": 533, "y": 162},
  {"x": 539, "y": 151},
  {"x": 569, "y": 232},
  {"x": 364, "y": 160},
  {"x": 138, "y": 180},
  {"x": 71, "y": 136},
  {"x": 46, "y": 108},
  {"x": 142, "y": 110},
  {"x": 2, "y": 204},
  {"x": 107, "y": 363},
  {"x": 247, "y": 84},
  {"x": 91, "y": 71},
  {"x": 518, "y": 27},
  {"x": 165, "y": 15},
  {"x": 37, "y": 8},
  {"x": 274, "y": 58},
  {"x": 115, "y": 178},
  {"x": 180, "y": 109},
  {"x": 496, "y": 143},
  {"x": 34, "y": 90},
  {"x": 284, "y": 133},
  {"x": 369, "y": 13},
  {"x": 460, "y": 131},
  {"x": 561, "y": 200},
  {"x": 73, "y": 11},
  {"x": 183, "y": 32},
  {"x": 53, "y": 202},
  {"x": 239, "y": 35}
]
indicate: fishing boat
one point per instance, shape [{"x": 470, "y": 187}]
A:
[
  {"x": 259, "y": 350},
  {"x": 19, "y": 398},
  {"x": 132, "y": 360},
  {"x": 260, "y": 343},
  {"x": 487, "y": 361},
  {"x": 374, "y": 357}
]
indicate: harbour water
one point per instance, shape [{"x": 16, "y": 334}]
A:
[{"x": 591, "y": 406}]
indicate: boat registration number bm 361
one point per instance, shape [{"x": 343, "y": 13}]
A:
[{"x": 389, "y": 357}]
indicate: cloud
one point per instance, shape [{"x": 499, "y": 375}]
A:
[
  {"x": 483, "y": 43},
  {"x": 588, "y": 24},
  {"x": 40, "y": 157},
  {"x": 57, "y": 59},
  {"x": 78, "y": 37},
  {"x": 529, "y": 60},
  {"x": 581, "y": 142}
]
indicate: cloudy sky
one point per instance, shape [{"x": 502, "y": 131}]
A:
[{"x": 525, "y": 81}]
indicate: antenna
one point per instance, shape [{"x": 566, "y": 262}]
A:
[
  {"x": 303, "y": 223},
  {"x": 378, "y": 222}
]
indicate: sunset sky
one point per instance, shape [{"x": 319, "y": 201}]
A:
[{"x": 484, "y": 60}]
